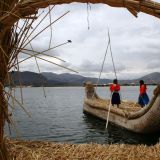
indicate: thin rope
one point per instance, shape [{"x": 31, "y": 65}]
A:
[
  {"x": 108, "y": 45},
  {"x": 102, "y": 67},
  {"x": 88, "y": 7},
  {"x": 112, "y": 55},
  {"x": 115, "y": 76}
]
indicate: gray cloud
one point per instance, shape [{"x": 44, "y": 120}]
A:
[
  {"x": 94, "y": 69},
  {"x": 154, "y": 65},
  {"x": 45, "y": 66},
  {"x": 135, "y": 44}
]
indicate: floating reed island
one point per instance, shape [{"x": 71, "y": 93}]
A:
[{"x": 39, "y": 150}]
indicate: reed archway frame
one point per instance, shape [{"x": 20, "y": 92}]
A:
[{"x": 12, "y": 11}]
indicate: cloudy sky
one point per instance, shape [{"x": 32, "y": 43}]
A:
[{"x": 134, "y": 41}]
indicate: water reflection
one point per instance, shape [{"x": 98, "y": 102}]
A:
[{"x": 116, "y": 134}]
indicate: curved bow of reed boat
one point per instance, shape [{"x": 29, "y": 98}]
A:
[{"x": 130, "y": 115}]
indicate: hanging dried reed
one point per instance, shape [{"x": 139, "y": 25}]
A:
[
  {"x": 13, "y": 39},
  {"x": 29, "y": 7}
]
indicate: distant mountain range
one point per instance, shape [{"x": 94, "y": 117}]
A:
[
  {"x": 27, "y": 79},
  {"x": 52, "y": 79}
]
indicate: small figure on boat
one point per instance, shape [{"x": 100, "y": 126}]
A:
[
  {"x": 115, "y": 97},
  {"x": 143, "y": 97}
]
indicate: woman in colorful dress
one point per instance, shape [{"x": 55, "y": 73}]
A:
[
  {"x": 143, "y": 99},
  {"x": 115, "y": 88}
]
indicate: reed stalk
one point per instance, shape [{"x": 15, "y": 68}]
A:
[{"x": 51, "y": 62}]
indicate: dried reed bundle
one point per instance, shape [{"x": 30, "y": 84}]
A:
[
  {"x": 124, "y": 106},
  {"x": 14, "y": 38},
  {"x": 25, "y": 8},
  {"x": 39, "y": 150}
]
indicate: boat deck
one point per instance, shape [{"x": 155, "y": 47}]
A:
[{"x": 124, "y": 106}]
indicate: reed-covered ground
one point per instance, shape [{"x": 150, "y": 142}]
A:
[{"x": 42, "y": 150}]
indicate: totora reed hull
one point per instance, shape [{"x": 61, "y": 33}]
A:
[{"x": 129, "y": 116}]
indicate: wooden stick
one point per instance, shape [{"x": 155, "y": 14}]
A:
[
  {"x": 55, "y": 46},
  {"x": 37, "y": 25},
  {"x": 52, "y": 63},
  {"x": 45, "y": 28},
  {"x": 29, "y": 17},
  {"x": 50, "y": 20},
  {"x": 21, "y": 105},
  {"x": 42, "y": 53}
]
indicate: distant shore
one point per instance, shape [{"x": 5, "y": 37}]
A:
[
  {"x": 99, "y": 85},
  {"x": 43, "y": 150},
  {"x": 49, "y": 79}
]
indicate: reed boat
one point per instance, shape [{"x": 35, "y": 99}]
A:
[{"x": 129, "y": 115}]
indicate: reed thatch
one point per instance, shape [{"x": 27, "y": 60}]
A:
[
  {"x": 39, "y": 150},
  {"x": 13, "y": 39},
  {"x": 28, "y": 7}
]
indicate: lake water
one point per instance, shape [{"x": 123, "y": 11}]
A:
[{"x": 59, "y": 117}]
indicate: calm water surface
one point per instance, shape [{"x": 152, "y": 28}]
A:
[{"x": 59, "y": 117}]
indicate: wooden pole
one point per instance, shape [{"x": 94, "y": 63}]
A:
[
  {"x": 1, "y": 115},
  {"x": 2, "y": 109},
  {"x": 4, "y": 60}
]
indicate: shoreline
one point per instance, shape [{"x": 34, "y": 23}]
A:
[
  {"x": 99, "y": 85},
  {"x": 44, "y": 150}
]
